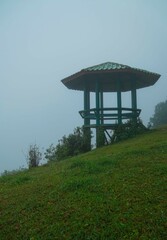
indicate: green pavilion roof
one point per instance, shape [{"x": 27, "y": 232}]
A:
[{"x": 108, "y": 74}]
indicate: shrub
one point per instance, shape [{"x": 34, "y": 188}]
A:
[
  {"x": 34, "y": 156},
  {"x": 73, "y": 144},
  {"x": 50, "y": 153},
  {"x": 127, "y": 130},
  {"x": 160, "y": 115}
]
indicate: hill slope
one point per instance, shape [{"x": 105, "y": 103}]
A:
[{"x": 116, "y": 192}]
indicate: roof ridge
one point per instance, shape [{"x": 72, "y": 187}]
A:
[{"x": 106, "y": 66}]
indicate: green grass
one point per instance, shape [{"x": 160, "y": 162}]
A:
[{"x": 116, "y": 192}]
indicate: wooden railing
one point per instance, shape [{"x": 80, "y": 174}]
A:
[{"x": 110, "y": 113}]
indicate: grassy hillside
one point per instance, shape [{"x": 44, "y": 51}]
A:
[{"x": 116, "y": 192}]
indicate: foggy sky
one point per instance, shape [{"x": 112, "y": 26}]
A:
[{"x": 44, "y": 41}]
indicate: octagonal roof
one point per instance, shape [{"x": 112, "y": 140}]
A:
[{"x": 108, "y": 74}]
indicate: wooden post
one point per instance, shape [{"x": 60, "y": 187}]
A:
[
  {"x": 86, "y": 105},
  {"x": 119, "y": 102},
  {"x": 97, "y": 104},
  {"x": 101, "y": 105},
  {"x": 87, "y": 128},
  {"x": 134, "y": 99}
]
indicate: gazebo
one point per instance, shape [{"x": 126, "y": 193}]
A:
[{"x": 109, "y": 77}]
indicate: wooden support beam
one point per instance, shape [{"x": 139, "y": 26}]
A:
[
  {"x": 86, "y": 104},
  {"x": 119, "y": 102},
  {"x": 97, "y": 103},
  {"x": 134, "y": 97},
  {"x": 101, "y": 105}
]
